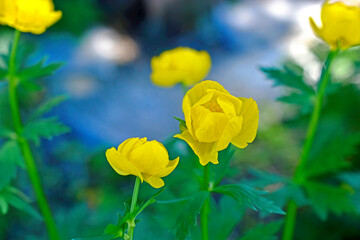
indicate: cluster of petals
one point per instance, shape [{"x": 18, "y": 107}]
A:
[
  {"x": 33, "y": 16},
  {"x": 340, "y": 25},
  {"x": 148, "y": 160}
]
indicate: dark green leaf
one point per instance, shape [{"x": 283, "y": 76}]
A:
[
  {"x": 304, "y": 100},
  {"x": 188, "y": 216},
  {"x": 31, "y": 86},
  {"x": 38, "y": 70},
  {"x": 326, "y": 198},
  {"x": 287, "y": 77},
  {"x": 44, "y": 128},
  {"x": 10, "y": 158},
  {"x": 3, "y": 74},
  {"x": 263, "y": 231},
  {"x": 250, "y": 197},
  {"x": 328, "y": 157},
  {"x": 47, "y": 106},
  {"x": 17, "y": 199}
]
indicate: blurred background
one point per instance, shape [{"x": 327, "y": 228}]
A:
[{"x": 106, "y": 47}]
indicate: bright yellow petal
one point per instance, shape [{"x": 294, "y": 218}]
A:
[
  {"x": 154, "y": 181},
  {"x": 208, "y": 126},
  {"x": 205, "y": 151},
  {"x": 169, "y": 168},
  {"x": 121, "y": 165},
  {"x": 150, "y": 157},
  {"x": 201, "y": 89},
  {"x": 128, "y": 145},
  {"x": 232, "y": 129},
  {"x": 250, "y": 124},
  {"x": 186, "y": 106}
]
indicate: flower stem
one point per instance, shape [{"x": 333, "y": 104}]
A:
[
  {"x": 25, "y": 147},
  {"x": 299, "y": 176},
  {"x": 131, "y": 222},
  {"x": 204, "y": 213}
]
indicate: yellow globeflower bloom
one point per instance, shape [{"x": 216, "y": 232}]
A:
[
  {"x": 33, "y": 16},
  {"x": 148, "y": 160},
  {"x": 340, "y": 25},
  {"x": 180, "y": 65},
  {"x": 214, "y": 118}
]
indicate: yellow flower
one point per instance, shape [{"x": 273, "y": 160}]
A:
[
  {"x": 340, "y": 25},
  {"x": 180, "y": 65},
  {"x": 28, "y": 15},
  {"x": 148, "y": 160},
  {"x": 214, "y": 118}
]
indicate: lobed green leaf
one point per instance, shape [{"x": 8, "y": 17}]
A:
[{"x": 263, "y": 231}]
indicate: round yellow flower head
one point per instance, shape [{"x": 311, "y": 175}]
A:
[
  {"x": 33, "y": 16},
  {"x": 148, "y": 160},
  {"x": 180, "y": 65},
  {"x": 340, "y": 25},
  {"x": 214, "y": 118}
]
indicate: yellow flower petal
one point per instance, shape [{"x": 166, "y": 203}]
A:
[
  {"x": 150, "y": 157},
  {"x": 169, "y": 168},
  {"x": 128, "y": 145},
  {"x": 205, "y": 151},
  {"x": 121, "y": 165},
  {"x": 231, "y": 130},
  {"x": 340, "y": 25},
  {"x": 201, "y": 89},
  {"x": 249, "y": 128},
  {"x": 154, "y": 181},
  {"x": 180, "y": 65}
]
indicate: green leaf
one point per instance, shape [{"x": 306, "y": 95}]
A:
[
  {"x": 20, "y": 201},
  {"x": 10, "y": 158},
  {"x": 4, "y": 206},
  {"x": 304, "y": 100},
  {"x": 328, "y": 157},
  {"x": 263, "y": 231},
  {"x": 288, "y": 78},
  {"x": 250, "y": 197},
  {"x": 326, "y": 198},
  {"x": 47, "y": 106},
  {"x": 114, "y": 230},
  {"x": 188, "y": 216},
  {"x": 44, "y": 128},
  {"x": 3, "y": 74},
  {"x": 150, "y": 201},
  {"x": 219, "y": 171},
  {"x": 182, "y": 124},
  {"x": 38, "y": 70},
  {"x": 7, "y": 133}
]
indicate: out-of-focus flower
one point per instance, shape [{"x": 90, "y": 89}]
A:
[
  {"x": 33, "y": 16},
  {"x": 340, "y": 25},
  {"x": 214, "y": 118},
  {"x": 180, "y": 65},
  {"x": 148, "y": 160}
]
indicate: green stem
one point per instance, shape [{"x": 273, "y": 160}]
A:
[
  {"x": 25, "y": 147},
  {"x": 204, "y": 213},
  {"x": 131, "y": 222},
  {"x": 290, "y": 221},
  {"x": 299, "y": 176}
]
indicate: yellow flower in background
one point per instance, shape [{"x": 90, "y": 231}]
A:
[
  {"x": 214, "y": 118},
  {"x": 148, "y": 160},
  {"x": 180, "y": 65},
  {"x": 340, "y": 25},
  {"x": 33, "y": 16}
]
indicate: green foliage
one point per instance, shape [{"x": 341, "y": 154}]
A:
[
  {"x": 325, "y": 198},
  {"x": 36, "y": 71},
  {"x": 263, "y": 231},
  {"x": 188, "y": 216},
  {"x": 15, "y": 198},
  {"x": 292, "y": 77},
  {"x": 327, "y": 151},
  {"x": 46, "y": 107},
  {"x": 44, "y": 128},
  {"x": 10, "y": 158},
  {"x": 250, "y": 197}
]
